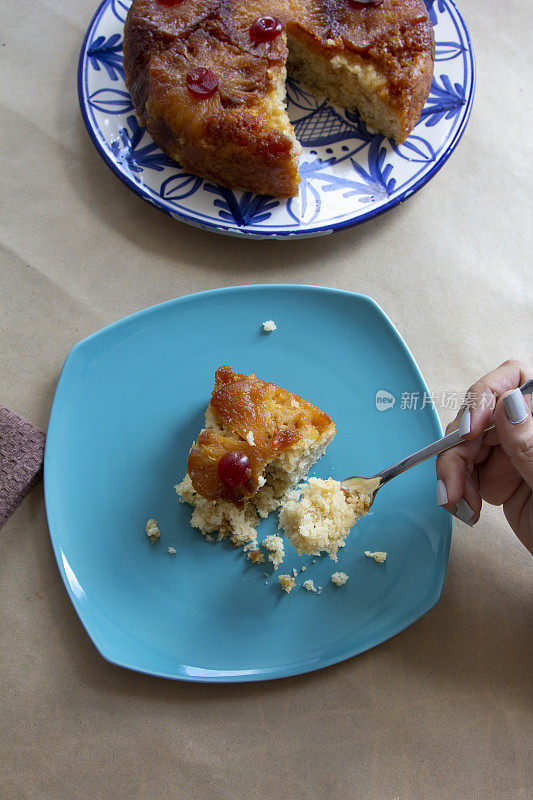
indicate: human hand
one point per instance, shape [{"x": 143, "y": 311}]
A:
[{"x": 496, "y": 466}]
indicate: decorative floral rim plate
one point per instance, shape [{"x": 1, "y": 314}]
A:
[
  {"x": 129, "y": 402},
  {"x": 348, "y": 174}
]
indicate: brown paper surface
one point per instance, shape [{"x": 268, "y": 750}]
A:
[{"x": 440, "y": 712}]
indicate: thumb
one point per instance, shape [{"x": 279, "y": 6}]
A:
[{"x": 514, "y": 424}]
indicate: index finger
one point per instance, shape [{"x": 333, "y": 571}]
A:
[{"x": 482, "y": 396}]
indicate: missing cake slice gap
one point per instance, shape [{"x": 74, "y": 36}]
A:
[{"x": 231, "y": 483}]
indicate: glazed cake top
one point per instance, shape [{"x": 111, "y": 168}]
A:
[{"x": 254, "y": 417}]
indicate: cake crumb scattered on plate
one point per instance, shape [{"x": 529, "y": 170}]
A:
[
  {"x": 339, "y": 578},
  {"x": 379, "y": 557},
  {"x": 303, "y": 568},
  {"x": 172, "y": 551},
  {"x": 276, "y": 547},
  {"x": 256, "y": 556},
  {"x": 309, "y": 585},
  {"x": 152, "y": 531},
  {"x": 269, "y": 326},
  {"x": 287, "y": 582}
]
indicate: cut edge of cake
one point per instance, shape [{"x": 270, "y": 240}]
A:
[{"x": 355, "y": 84}]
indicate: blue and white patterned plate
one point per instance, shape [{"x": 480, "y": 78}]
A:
[{"x": 348, "y": 174}]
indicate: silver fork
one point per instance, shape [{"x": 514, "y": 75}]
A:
[{"x": 371, "y": 486}]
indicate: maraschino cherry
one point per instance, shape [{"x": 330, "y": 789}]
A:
[
  {"x": 202, "y": 82},
  {"x": 234, "y": 468},
  {"x": 265, "y": 29},
  {"x": 169, "y": 2}
]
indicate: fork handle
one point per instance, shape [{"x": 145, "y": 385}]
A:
[
  {"x": 450, "y": 440},
  {"x": 421, "y": 455}
]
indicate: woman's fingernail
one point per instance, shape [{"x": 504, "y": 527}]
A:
[
  {"x": 442, "y": 494},
  {"x": 464, "y": 512},
  {"x": 464, "y": 425},
  {"x": 515, "y": 407}
]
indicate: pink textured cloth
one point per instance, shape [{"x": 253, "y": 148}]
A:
[{"x": 21, "y": 460}]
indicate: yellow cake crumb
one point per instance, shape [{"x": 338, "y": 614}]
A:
[
  {"x": 339, "y": 578},
  {"x": 256, "y": 556},
  {"x": 309, "y": 585},
  {"x": 172, "y": 551},
  {"x": 379, "y": 557},
  {"x": 152, "y": 531},
  {"x": 287, "y": 582},
  {"x": 322, "y": 518},
  {"x": 219, "y": 516},
  {"x": 277, "y": 548}
]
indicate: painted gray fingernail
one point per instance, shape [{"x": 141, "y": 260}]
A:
[
  {"x": 442, "y": 494},
  {"x": 515, "y": 407},
  {"x": 464, "y": 425},
  {"x": 464, "y": 512}
]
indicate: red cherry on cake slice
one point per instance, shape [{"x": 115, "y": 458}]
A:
[
  {"x": 169, "y": 2},
  {"x": 234, "y": 468},
  {"x": 202, "y": 82},
  {"x": 265, "y": 29}
]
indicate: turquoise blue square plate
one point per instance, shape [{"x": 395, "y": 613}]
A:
[{"x": 130, "y": 401}]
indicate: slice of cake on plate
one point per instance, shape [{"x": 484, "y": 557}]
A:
[{"x": 259, "y": 441}]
